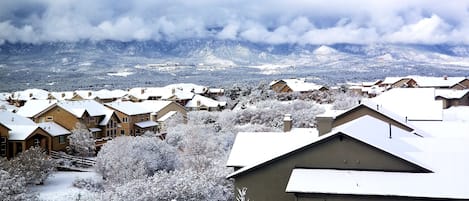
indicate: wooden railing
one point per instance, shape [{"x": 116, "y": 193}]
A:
[{"x": 76, "y": 160}]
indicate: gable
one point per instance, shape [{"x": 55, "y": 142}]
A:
[
  {"x": 39, "y": 131},
  {"x": 363, "y": 110}
]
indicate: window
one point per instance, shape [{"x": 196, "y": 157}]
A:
[
  {"x": 3, "y": 146},
  {"x": 122, "y": 132},
  {"x": 37, "y": 142},
  {"x": 125, "y": 119},
  {"x": 62, "y": 139},
  {"x": 49, "y": 118},
  {"x": 107, "y": 133}
]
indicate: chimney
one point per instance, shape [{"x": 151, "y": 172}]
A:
[
  {"x": 89, "y": 94},
  {"x": 142, "y": 91},
  {"x": 445, "y": 77},
  {"x": 30, "y": 94},
  {"x": 198, "y": 103},
  {"x": 173, "y": 90},
  {"x": 287, "y": 123},
  {"x": 324, "y": 124}
]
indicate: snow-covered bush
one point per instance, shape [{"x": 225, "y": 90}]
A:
[
  {"x": 184, "y": 184},
  {"x": 270, "y": 113},
  {"x": 81, "y": 141},
  {"x": 88, "y": 184},
  {"x": 127, "y": 158},
  {"x": 13, "y": 188},
  {"x": 242, "y": 194},
  {"x": 33, "y": 164}
]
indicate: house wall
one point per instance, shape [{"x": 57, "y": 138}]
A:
[
  {"x": 129, "y": 126},
  {"x": 277, "y": 87},
  {"x": 4, "y": 133},
  {"x": 56, "y": 146},
  {"x": 330, "y": 197},
  {"x": 60, "y": 116},
  {"x": 462, "y": 85},
  {"x": 268, "y": 183},
  {"x": 43, "y": 136},
  {"x": 463, "y": 101},
  {"x": 173, "y": 106},
  {"x": 404, "y": 82}
]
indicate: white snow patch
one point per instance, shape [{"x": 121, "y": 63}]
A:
[
  {"x": 59, "y": 186},
  {"x": 121, "y": 73}
]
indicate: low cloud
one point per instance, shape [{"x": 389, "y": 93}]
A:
[{"x": 263, "y": 21}]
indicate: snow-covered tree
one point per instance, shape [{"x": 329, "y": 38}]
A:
[
  {"x": 242, "y": 194},
  {"x": 33, "y": 164},
  {"x": 81, "y": 141},
  {"x": 128, "y": 158},
  {"x": 345, "y": 100},
  {"x": 13, "y": 188}
]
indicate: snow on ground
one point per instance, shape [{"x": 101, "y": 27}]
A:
[{"x": 59, "y": 185}]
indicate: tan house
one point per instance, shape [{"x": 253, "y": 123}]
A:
[
  {"x": 200, "y": 102},
  {"x": 295, "y": 85},
  {"x": 398, "y": 82},
  {"x": 100, "y": 120},
  {"x": 162, "y": 111},
  {"x": 19, "y": 133},
  {"x": 135, "y": 119}
]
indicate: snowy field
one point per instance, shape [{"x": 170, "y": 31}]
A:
[{"x": 58, "y": 186}]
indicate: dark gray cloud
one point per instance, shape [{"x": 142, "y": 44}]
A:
[{"x": 268, "y": 21}]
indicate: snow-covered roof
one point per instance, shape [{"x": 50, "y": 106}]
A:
[
  {"x": 368, "y": 130},
  {"x": 253, "y": 147},
  {"x": 128, "y": 107},
  {"x": 4, "y": 96},
  {"x": 456, "y": 113},
  {"x": 30, "y": 94},
  {"x": 391, "y": 80},
  {"x": 154, "y": 105},
  {"x": 353, "y": 182},
  {"x": 166, "y": 116},
  {"x": 413, "y": 103},
  {"x": 299, "y": 85},
  {"x": 5, "y": 105},
  {"x": 199, "y": 100},
  {"x": 94, "y": 130},
  {"x": 33, "y": 107},
  {"x": 53, "y": 129},
  {"x": 21, "y": 127},
  {"x": 107, "y": 94},
  {"x": 86, "y": 94},
  {"x": 188, "y": 87},
  {"x": 64, "y": 95},
  {"x": 78, "y": 108},
  {"x": 451, "y": 93},
  {"x": 216, "y": 90},
  {"x": 146, "y": 124},
  {"x": 424, "y": 81}
]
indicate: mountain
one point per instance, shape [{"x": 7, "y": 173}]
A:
[{"x": 104, "y": 64}]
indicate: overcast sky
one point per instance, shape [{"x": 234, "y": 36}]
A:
[{"x": 266, "y": 21}]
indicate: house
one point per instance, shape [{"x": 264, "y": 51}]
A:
[
  {"x": 58, "y": 133},
  {"x": 215, "y": 92},
  {"x": 363, "y": 144},
  {"x": 444, "y": 82},
  {"x": 18, "y": 133},
  {"x": 33, "y": 107},
  {"x": 452, "y": 97},
  {"x": 295, "y": 85},
  {"x": 199, "y": 102},
  {"x": 19, "y": 98},
  {"x": 161, "y": 111},
  {"x": 101, "y": 121},
  {"x": 398, "y": 82},
  {"x": 135, "y": 119}
]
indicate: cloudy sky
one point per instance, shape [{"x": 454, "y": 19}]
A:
[{"x": 265, "y": 21}]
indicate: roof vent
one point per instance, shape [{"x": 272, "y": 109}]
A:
[{"x": 287, "y": 123}]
